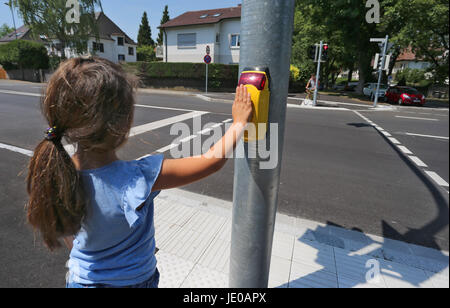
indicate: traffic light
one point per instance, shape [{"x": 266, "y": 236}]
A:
[
  {"x": 312, "y": 52},
  {"x": 325, "y": 52}
]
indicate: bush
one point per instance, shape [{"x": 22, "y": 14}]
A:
[
  {"x": 295, "y": 73},
  {"x": 411, "y": 76},
  {"x": 146, "y": 53},
  {"x": 24, "y": 54}
]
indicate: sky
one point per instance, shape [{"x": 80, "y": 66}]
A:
[{"x": 127, "y": 14}]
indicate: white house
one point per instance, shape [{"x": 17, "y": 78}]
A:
[
  {"x": 408, "y": 59},
  {"x": 113, "y": 44},
  {"x": 187, "y": 36}
]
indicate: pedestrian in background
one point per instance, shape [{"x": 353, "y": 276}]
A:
[{"x": 311, "y": 86}]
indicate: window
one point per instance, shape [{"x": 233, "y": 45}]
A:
[
  {"x": 187, "y": 40},
  {"x": 98, "y": 47},
  {"x": 204, "y": 16},
  {"x": 217, "y": 15},
  {"x": 131, "y": 51},
  {"x": 218, "y": 38},
  {"x": 121, "y": 57},
  {"x": 120, "y": 41},
  {"x": 235, "y": 41}
]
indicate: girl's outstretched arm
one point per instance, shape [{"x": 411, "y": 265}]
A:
[{"x": 180, "y": 172}]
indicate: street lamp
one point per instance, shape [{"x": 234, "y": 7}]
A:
[{"x": 12, "y": 14}]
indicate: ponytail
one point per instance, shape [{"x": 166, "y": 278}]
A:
[{"x": 56, "y": 205}]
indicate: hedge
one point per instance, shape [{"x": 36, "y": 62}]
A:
[
  {"x": 23, "y": 54},
  {"x": 221, "y": 76},
  {"x": 183, "y": 70}
]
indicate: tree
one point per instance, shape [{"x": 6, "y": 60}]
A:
[
  {"x": 23, "y": 54},
  {"x": 145, "y": 33},
  {"x": 422, "y": 26},
  {"x": 72, "y": 26},
  {"x": 5, "y": 30},
  {"x": 165, "y": 18},
  {"x": 346, "y": 31},
  {"x": 146, "y": 53}
]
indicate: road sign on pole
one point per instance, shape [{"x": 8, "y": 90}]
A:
[
  {"x": 207, "y": 59},
  {"x": 385, "y": 45},
  {"x": 255, "y": 193}
]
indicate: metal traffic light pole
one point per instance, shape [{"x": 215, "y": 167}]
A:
[
  {"x": 266, "y": 33},
  {"x": 319, "y": 62},
  {"x": 380, "y": 71}
]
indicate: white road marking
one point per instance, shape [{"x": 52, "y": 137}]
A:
[
  {"x": 167, "y": 148},
  {"x": 394, "y": 141},
  {"x": 427, "y": 136},
  {"x": 188, "y": 139},
  {"x": 386, "y": 134},
  {"x": 414, "y": 118},
  {"x": 138, "y": 130},
  {"x": 317, "y": 107},
  {"x": 164, "y": 108},
  {"x": 16, "y": 149},
  {"x": 20, "y": 93},
  {"x": 440, "y": 181},
  {"x": 418, "y": 162},
  {"x": 405, "y": 150},
  {"x": 436, "y": 178}
]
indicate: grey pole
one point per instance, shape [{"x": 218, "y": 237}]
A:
[
  {"x": 318, "y": 73},
  {"x": 206, "y": 78},
  {"x": 266, "y": 32},
  {"x": 380, "y": 71},
  {"x": 12, "y": 13}
]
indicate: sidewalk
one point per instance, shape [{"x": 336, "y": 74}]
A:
[{"x": 193, "y": 234}]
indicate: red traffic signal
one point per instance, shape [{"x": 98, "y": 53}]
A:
[{"x": 325, "y": 52}]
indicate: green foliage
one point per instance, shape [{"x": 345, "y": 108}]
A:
[
  {"x": 49, "y": 18},
  {"x": 146, "y": 53},
  {"x": 165, "y": 18},
  {"x": 5, "y": 30},
  {"x": 341, "y": 24},
  {"x": 412, "y": 76},
  {"x": 421, "y": 25},
  {"x": 145, "y": 33},
  {"x": 217, "y": 72},
  {"x": 23, "y": 54}
]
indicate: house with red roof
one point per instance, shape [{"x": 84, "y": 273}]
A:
[
  {"x": 187, "y": 36},
  {"x": 408, "y": 59}
]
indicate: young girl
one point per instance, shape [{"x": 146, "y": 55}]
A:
[{"x": 100, "y": 206}]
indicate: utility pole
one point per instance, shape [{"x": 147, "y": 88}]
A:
[
  {"x": 319, "y": 62},
  {"x": 266, "y": 33},
  {"x": 14, "y": 20},
  {"x": 384, "y": 47}
]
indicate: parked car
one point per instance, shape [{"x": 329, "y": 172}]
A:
[
  {"x": 340, "y": 86},
  {"x": 351, "y": 86},
  {"x": 345, "y": 86},
  {"x": 405, "y": 96},
  {"x": 371, "y": 88}
]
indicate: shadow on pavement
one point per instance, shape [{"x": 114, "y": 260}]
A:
[{"x": 355, "y": 253}]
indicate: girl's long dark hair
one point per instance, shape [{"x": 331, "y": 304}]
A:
[{"x": 90, "y": 101}]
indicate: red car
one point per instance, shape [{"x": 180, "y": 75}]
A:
[{"x": 404, "y": 96}]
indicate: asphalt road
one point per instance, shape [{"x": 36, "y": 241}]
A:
[{"x": 337, "y": 169}]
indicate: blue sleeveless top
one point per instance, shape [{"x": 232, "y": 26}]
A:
[{"x": 116, "y": 243}]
